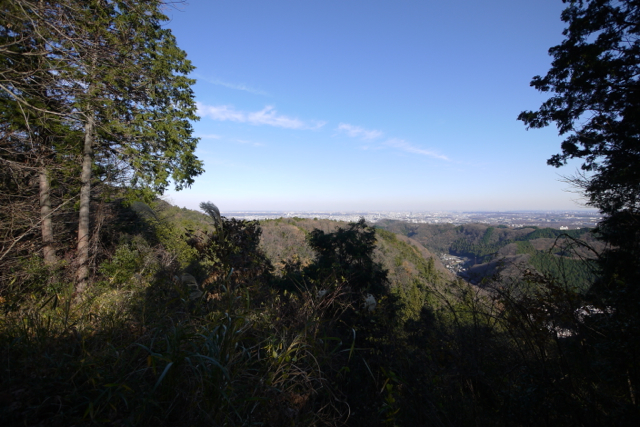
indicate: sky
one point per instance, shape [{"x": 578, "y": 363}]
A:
[{"x": 371, "y": 105}]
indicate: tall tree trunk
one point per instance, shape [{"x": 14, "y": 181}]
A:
[
  {"x": 82, "y": 274},
  {"x": 48, "y": 249}
]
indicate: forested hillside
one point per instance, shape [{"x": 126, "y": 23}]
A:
[
  {"x": 499, "y": 252},
  {"x": 117, "y": 308},
  {"x": 413, "y": 271},
  {"x": 285, "y": 240}
]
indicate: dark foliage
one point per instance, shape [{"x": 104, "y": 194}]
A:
[
  {"x": 348, "y": 253},
  {"x": 231, "y": 249},
  {"x": 595, "y": 101}
]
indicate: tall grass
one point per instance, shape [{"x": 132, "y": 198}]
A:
[{"x": 152, "y": 356}]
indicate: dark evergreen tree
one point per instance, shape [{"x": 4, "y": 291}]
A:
[
  {"x": 595, "y": 100},
  {"x": 595, "y": 103}
]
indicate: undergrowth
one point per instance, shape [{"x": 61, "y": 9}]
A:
[{"x": 324, "y": 344}]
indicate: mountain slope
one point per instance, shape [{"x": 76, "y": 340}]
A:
[{"x": 491, "y": 251}]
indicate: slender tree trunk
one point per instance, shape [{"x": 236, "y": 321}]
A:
[
  {"x": 82, "y": 274},
  {"x": 48, "y": 249}
]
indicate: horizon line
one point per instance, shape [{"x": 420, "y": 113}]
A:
[{"x": 408, "y": 211}]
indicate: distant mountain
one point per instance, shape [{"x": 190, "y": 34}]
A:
[{"x": 490, "y": 250}]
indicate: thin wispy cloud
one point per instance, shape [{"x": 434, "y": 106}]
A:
[
  {"x": 267, "y": 116},
  {"x": 236, "y": 86},
  {"x": 358, "y": 132},
  {"x": 410, "y": 148},
  {"x": 399, "y": 144}
]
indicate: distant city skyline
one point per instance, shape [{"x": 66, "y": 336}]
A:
[
  {"x": 192, "y": 200},
  {"x": 584, "y": 210},
  {"x": 563, "y": 220},
  {"x": 371, "y": 104}
]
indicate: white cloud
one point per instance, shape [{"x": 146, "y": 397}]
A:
[
  {"x": 410, "y": 148},
  {"x": 220, "y": 112},
  {"x": 358, "y": 132},
  {"x": 267, "y": 116}
]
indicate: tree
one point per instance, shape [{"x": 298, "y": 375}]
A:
[
  {"x": 121, "y": 82},
  {"x": 136, "y": 106},
  {"x": 34, "y": 136},
  {"x": 595, "y": 99},
  {"x": 594, "y": 83},
  {"x": 595, "y": 103}
]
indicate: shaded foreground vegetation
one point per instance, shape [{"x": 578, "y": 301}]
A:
[{"x": 302, "y": 344}]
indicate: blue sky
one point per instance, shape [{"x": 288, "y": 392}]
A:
[{"x": 363, "y": 105}]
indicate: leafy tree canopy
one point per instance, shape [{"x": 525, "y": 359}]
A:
[{"x": 595, "y": 99}]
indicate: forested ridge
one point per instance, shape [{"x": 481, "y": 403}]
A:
[
  {"x": 502, "y": 253},
  {"x": 118, "y": 308}
]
